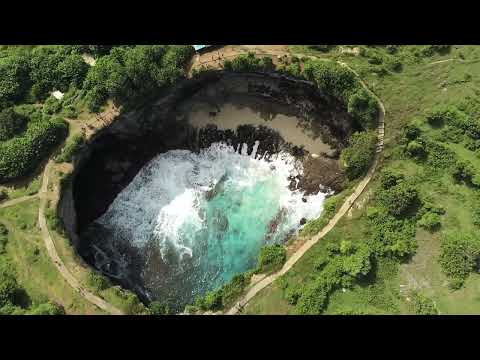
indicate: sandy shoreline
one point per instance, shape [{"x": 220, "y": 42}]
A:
[{"x": 229, "y": 117}]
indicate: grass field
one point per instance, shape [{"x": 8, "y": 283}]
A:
[
  {"x": 406, "y": 94},
  {"x": 35, "y": 271}
]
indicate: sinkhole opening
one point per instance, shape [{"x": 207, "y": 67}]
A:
[{"x": 198, "y": 219}]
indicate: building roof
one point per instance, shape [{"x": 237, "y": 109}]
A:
[{"x": 199, "y": 47}]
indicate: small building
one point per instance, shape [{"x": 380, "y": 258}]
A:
[
  {"x": 199, "y": 48},
  {"x": 57, "y": 95}
]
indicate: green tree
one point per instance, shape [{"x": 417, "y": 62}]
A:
[
  {"x": 363, "y": 107},
  {"x": 14, "y": 80},
  {"x": 358, "y": 156},
  {"x": 48, "y": 308},
  {"x": 11, "y": 124},
  {"x": 8, "y": 284},
  {"x": 271, "y": 257},
  {"x": 71, "y": 72},
  {"x": 399, "y": 199},
  {"x": 460, "y": 252},
  {"x": 158, "y": 308}
]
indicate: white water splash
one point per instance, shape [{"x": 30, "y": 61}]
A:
[{"x": 163, "y": 201}]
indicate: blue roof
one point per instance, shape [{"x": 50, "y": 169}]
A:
[{"x": 199, "y": 47}]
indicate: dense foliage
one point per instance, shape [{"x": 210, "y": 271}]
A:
[
  {"x": 3, "y": 238},
  {"x": 343, "y": 264},
  {"x": 72, "y": 146},
  {"x": 21, "y": 155},
  {"x": 460, "y": 255},
  {"x": 14, "y": 79},
  {"x": 225, "y": 296},
  {"x": 343, "y": 84},
  {"x": 271, "y": 258},
  {"x": 97, "y": 281},
  {"x": 11, "y": 124},
  {"x": 423, "y": 305},
  {"x": 248, "y": 62},
  {"x": 130, "y": 74},
  {"x": 359, "y": 154}
]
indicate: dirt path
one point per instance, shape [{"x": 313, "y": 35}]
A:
[
  {"x": 17, "y": 201},
  {"x": 440, "y": 61},
  {"x": 264, "y": 282},
  {"x": 52, "y": 252}
]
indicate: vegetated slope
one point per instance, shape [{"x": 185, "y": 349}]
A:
[
  {"x": 417, "y": 219},
  {"x": 340, "y": 82},
  {"x": 32, "y": 126}
]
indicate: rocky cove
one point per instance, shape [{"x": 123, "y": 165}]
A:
[{"x": 263, "y": 113}]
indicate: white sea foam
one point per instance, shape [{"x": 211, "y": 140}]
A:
[{"x": 162, "y": 203}]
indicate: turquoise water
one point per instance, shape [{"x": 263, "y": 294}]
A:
[
  {"x": 207, "y": 215},
  {"x": 237, "y": 221}
]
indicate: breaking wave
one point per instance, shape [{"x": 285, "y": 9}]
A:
[{"x": 208, "y": 214}]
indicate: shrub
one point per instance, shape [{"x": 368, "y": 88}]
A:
[
  {"x": 391, "y": 49},
  {"x": 472, "y": 145},
  {"x": 363, "y": 107},
  {"x": 211, "y": 301},
  {"x": 412, "y": 129},
  {"x": 271, "y": 258},
  {"x": 391, "y": 236},
  {"x": 216, "y": 300},
  {"x": 394, "y": 64},
  {"x": 416, "y": 149},
  {"x": 97, "y": 281},
  {"x": 459, "y": 254},
  {"x": 3, "y": 238},
  {"x": 359, "y": 155},
  {"x": 451, "y": 134},
  {"x": 399, "y": 199},
  {"x": 158, "y": 308},
  {"x": 463, "y": 171},
  {"x": 21, "y": 155},
  {"x": 332, "y": 78},
  {"x": 11, "y": 124},
  {"x": 71, "y": 148},
  {"x": 14, "y": 80},
  {"x": 430, "y": 221},
  {"x": 423, "y": 305},
  {"x": 130, "y": 74},
  {"x": 322, "y": 48},
  {"x": 71, "y": 72},
  {"x": 292, "y": 294},
  {"x": 8, "y": 284},
  {"x": 48, "y": 308},
  {"x": 430, "y": 50},
  {"x": 3, "y": 194},
  {"x": 439, "y": 156},
  {"x": 248, "y": 62},
  {"x": 446, "y": 114},
  {"x": 52, "y": 106},
  {"x": 235, "y": 287},
  {"x": 132, "y": 304},
  {"x": 375, "y": 59},
  {"x": 389, "y": 178},
  {"x": 314, "y": 297}
]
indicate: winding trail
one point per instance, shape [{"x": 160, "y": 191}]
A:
[
  {"x": 52, "y": 252},
  {"x": 17, "y": 201},
  {"x": 265, "y": 281}
]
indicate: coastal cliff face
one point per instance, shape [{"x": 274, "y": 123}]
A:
[{"x": 116, "y": 154}]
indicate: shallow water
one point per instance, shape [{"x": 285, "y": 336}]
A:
[{"x": 202, "y": 218}]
